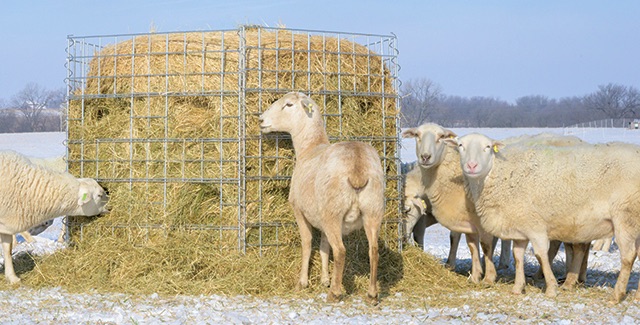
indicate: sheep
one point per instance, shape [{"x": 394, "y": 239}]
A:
[
  {"x": 443, "y": 184},
  {"x": 573, "y": 194},
  {"x": 336, "y": 188},
  {"x": 419, "y": 215},
  {"x": 31, "y": 194}
]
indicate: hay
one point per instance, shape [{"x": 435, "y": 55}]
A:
[
  {"x": 169, "y": 124},
  {"x": 201, "y": 268}
]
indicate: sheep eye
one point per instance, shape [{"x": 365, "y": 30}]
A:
[{"x": 288, "y": 104}]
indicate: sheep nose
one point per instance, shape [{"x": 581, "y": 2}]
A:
[
  {"x": 425, "y": 157},
  {"x": 472, "y": 165}
]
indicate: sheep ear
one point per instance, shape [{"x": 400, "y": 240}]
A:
[
  {"x": 449, "y": 134},
  {"x": 307, "y": 104},
  {"x": 84, "y": 196},
  {"x": 451, "y": 142},
  {"x": 497, "y": 145},
  {"x": 410, "y": 133}
]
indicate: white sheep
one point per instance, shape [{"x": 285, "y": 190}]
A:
[
  {"x": 572, "y": 194},
  {"x": 31, "y": 194},
  {"x": 336, "y": 188},
  {"x": 444, "y": 188},
  {"x": 419, "y": 217}
]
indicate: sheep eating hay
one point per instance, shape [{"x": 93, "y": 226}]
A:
[
  {"x": 31, "y": 194},
  {"x": 573, "y": 194},
  {"x": 336, "y": 188}
]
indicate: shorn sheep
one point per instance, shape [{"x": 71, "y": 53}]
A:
[
  {"x": 31, "y": 194},
  {"x": 572, "y": 194},
  {"x": 444, "y": 188},
  {"x": 336, "y": 188}
]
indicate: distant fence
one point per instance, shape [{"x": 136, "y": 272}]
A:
[
  {"x": 626, "y": 130},
  {"x": 608, "y": 123}
]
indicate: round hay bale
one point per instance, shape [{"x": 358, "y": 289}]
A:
[{"x": 169, "y": 124}]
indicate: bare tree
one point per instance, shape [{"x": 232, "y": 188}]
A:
[
  {"x": 419, "y": 100},
  {"x": 31, "y": 102},
  {"x": 616, "y": 101}
]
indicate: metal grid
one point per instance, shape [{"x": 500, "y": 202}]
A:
[{"x": 145, "y": 89}]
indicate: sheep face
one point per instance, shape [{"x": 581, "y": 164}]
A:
[
  {"x": 283, "y": 113},
  {"x": 477, "y": 153},
  {"x": 430, "y": 144},
  {"x": 92, "y": 198}
]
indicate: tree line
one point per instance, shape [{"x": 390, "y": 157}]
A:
[
  {"x": 36, "y": 109},
  {"x": 33, "y": 109},
  {"x": 423, "y": 101}
]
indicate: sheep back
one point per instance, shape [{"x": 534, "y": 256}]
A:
[
  {"x": 338, "y": 180},
  {"x": 31, "y": 194},
  {"x": 571, "y": 193}
]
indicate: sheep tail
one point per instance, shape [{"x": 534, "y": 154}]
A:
[{"x": 358, "y": 181}]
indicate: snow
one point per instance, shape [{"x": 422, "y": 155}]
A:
[{"x": 55, "y": 305}]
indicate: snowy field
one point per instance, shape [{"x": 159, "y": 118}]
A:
[{"x": 55, "y": 305}]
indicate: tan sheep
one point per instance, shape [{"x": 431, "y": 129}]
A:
[{"x": 336, "y": 188}]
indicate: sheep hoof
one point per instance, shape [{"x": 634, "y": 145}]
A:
[
  {"x": 616, "y": 299},
  {"x": 326, "y": 283},
  {"x": 301, "y": 286},
  {"x": 551, "y": 293},
  {"x": 13, "y": 280},
  {"x": 332, "y": 297},
  {"x": 372, "y": 300}
]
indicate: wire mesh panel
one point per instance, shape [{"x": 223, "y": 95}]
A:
[{"x": 169, "y": 124}]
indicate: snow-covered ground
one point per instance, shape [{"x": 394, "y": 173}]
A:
[{"x": 55, "y": 305}]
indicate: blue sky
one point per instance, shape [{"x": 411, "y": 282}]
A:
[{"x": 470, "y": 48}]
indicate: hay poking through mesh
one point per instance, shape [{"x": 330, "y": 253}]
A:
[{"x": 169, "y": 124}]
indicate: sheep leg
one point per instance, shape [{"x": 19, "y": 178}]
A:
[
  {"x": 606, "y": 245},
  {"x": 575, "y": 263},
  {"x": 9, "y": 273},
  {"x": 487, "y": 241},
  {"x": 372, "y": 229},
  {"x": 476, "y": 267},
  {"x": 626, "y": 244},
  {"x": 519, "y": 247},
  {"x": 554, "y": 246},
  {"x": 637, "y": 296},
  {"x": 505, "y": 254},
  {"x": 419, "y": 229},
  {"x": 582, "y": 277},
  {"x": 305, "y": 238},
  {"x": 324, "y": 257},
  {"x": 334, "y": 236},
  {"x": 541, "y": 250},
  {"x": 454, "y": 241}
]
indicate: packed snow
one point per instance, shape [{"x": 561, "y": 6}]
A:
[{"x": 55, "y": 305}]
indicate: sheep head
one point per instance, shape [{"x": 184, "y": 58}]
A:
[
  {"x": 92, "y": 198},
  {"x": 430, "y": 144},
  {"x": 288, "y": 113},
  {"x": 477, "y": 153}
]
